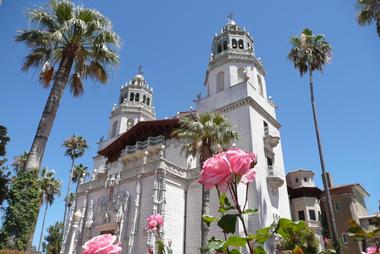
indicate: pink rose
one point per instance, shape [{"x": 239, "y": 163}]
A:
[
  {"x": 240, "y": 160},
  {"x": 219, "y": 169},
  {"x": 371, "y": 250},
  {"x": 155, "y": 220},
  {"x": 216, "y": 172},
  {"x": 102, "y": 244}
]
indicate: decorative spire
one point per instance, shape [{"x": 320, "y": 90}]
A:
[
  {"x": 140, "y": 70},
  {"x": 230, "y": 17}
]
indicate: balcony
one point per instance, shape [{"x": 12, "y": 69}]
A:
[
  {"x": 270, "y": 141},
  {"x": 152, "y": 145},
  {"x": 275, "y": 178}
]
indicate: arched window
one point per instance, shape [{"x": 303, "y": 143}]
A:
[
  {"x": 234, "y": 43},
  {"x": 241, "y": 44},
  {"x": 132, "y": 96},
  {"x": 219, "y": 48},
  {"x": 260, "y": 82},
  {"x": 220, "y": 82},
  {"x": 137, "y": 97},
  {"x": 225, "y": 45},
  {"x": 241, "y": 75},
  {"x": 144, "y": 98},
  {"x": 114, "y": 129},
  {"x": 147, "y": 101},
  {"x": 129, "y": 123}
]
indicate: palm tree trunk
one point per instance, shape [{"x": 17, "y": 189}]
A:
[
  {"x": 42, "y": 229},
  {"x": 75, "y": 200},
  {"x": 205, "y": 202},
  {"x": 46, "y": 122},
  {"x": 67, "y": 193},
  {"x": 330, "y": 214},
  {"x": 47, "y": 119}
]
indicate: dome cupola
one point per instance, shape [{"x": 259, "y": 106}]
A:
[{"x": 135, "y": 105}]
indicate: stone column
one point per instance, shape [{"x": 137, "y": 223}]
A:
[{"x": 74, "y": 229}]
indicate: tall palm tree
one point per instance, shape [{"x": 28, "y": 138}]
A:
[
  {"x": 310, "y": 53},
  {"x": 75, "y": 146},
  {"x": 369, "y": 12},
  {"x": 49, "y": 188},
  {"x": 204, "y": 135},
  {"x": 79, "y": 173},
  {"x": 68, "y": 43}
]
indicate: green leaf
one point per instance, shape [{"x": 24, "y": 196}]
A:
[
  {"x": 161, "y": 247},
  {"x": 236, "y": 241},
  {"x": 235, "y": 252},
  {"x": 262, "y": 235},
  {"x": 228, "y": 223},
  {"x": 215, "y": 244},
  {"x": 259, "y": 250},
  {"x": 208, "y": 219},
  {"x": 225, "y": 204},
  {"x": 222, "y": 199},
  {"x": 250, "y": 211}
]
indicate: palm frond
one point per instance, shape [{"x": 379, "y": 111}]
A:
[
  {"x": 46, "y": 74},
  {"x": 43, "y": 19},
  {"x": 97, "y": 72},
  {"x": 76, "y": 86},
  {"x": 63, "y": 10},
  {"x": 34, "y": 38},
  {"x": 36, "y": 58}
]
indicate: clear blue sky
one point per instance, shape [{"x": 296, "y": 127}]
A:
[{"x": 172, "y": 40}]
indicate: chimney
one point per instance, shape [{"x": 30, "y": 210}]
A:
[{"x": 330, "y": 182}]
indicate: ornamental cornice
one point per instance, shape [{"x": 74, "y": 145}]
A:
[
  {"x": 236, "y": 58},
  {"x": 144, "y": 170},
  {"x": 250, "y": 101},
  {"x": 133, "y": 109}
]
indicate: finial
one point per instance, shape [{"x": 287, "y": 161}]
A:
[
  {"x": 230, "y": 16},
  {"x": 230, "y": 20},
  {"x": 140, "y": 70}
]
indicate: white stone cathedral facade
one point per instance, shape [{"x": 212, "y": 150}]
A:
[{"x": 139, "y": 169}]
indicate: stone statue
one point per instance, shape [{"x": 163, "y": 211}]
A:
[
  {"x": 169, "y": 249},
  {"x": 116, "y": 202},
  {"x": 90, "y": 215}
]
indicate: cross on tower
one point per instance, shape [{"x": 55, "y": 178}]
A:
[
  {"x": 230, "y": 16},
  {"x": 140, "y": 70}
]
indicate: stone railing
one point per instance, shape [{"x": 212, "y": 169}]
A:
[
  {"x": 142, "y": 145},
  {"x": 275, "y": 172}
]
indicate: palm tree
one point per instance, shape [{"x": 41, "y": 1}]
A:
[
  {"x": 310, "y": 53},
  {"x": 204, "y": 135},
  {"x": 369, "y": 12},
  {"x": 68, "y": 43},
  {"x": 70, "y": 200},
  {"x": 49, "y": 188},
  {"x": 53, "y": 241},
  {"x": 75, "y": 148},
  {"x": 79, "y": 173}
]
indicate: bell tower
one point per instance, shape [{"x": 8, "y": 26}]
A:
[
  {"x": 236, "y": 87},
  {"x": 135, "y": 105},
  {"x": 233, "y": 61}
]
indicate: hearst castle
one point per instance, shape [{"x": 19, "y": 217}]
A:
[{"x": 139, "y": 169}]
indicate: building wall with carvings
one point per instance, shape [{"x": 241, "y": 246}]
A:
[{"x": 141, "y": 171}]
